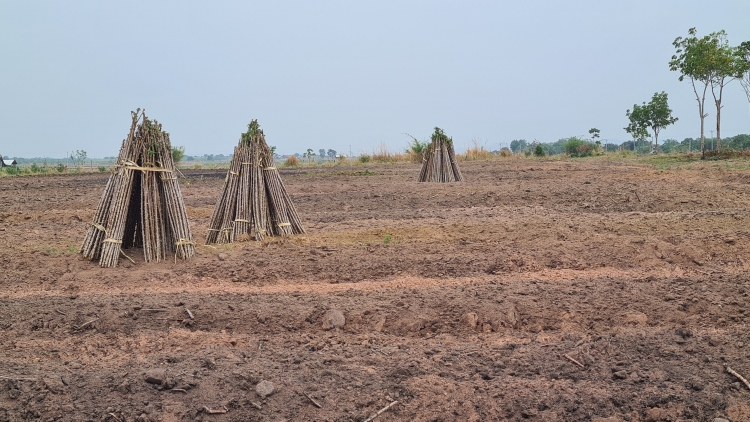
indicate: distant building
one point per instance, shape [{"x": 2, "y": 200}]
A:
[{"x": 7, "y": 163}]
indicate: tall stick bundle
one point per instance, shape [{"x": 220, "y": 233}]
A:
[
  {"x": 439, "y": 163},
  {"x": 142, "y": 204},
  {"x": 253, "y": 201}
]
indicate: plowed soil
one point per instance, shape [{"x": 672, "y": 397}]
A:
[{"x": 537, "y": 290}]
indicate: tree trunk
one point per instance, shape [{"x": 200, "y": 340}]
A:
[
  {"x": 718, "y": 120},
  {"x": 701, "y": 107}
]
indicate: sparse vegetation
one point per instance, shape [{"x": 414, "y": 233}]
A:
[{"x": 577, "y": 147}]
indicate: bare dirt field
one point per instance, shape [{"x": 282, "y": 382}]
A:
[{"x": 588, "y": 290}]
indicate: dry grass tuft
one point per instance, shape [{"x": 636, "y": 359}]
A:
[{"x": 291, "y": 161}]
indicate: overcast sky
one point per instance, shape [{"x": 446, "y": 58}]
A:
[{"x": 346, "y": 74}]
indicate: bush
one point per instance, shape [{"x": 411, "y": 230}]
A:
[
  {"x": 576, "y": 147},
  {"x": 505, "y": 153},
  {"x": 364, "y": 158},
  {"x": 102, "y": 169},
  {"x": 538, "y": 151},
  {"x": 14, "y": 170},
  {"x": 291, "y": 161},
  {"x": 61, "y": 168}
]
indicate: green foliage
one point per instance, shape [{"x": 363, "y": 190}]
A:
[
  {"x": 594, "y": 132},
  {"x": 439, "y": 135},
  {"x": 253, "y": 129},
  {"x": 178, "y": 153},
  {"x": 655, "y": 115},
  {"x": 364, "y": 158},
  {"x": 61, "y": 168},
  {"x": 12, "y": 170},
  {"x": 387, "y": 239},
  {"x": 102, "y": 169},
  {"x": 577, "y": 147},
  {"x": 416, "y": 148},
  {"x": 518, "y": 145},
  {"x": 539, "y": 151}
]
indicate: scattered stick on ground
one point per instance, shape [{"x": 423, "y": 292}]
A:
[
  {"x": 190, "y": 314},
  {"x": 61, "y": 312},
  {"x": 380, "y": 411},
  {"x": 575, "y": 361},
  {"x": 256, "y": 405},
  {"x": 154, "y": 310},
  {"x": 740, "y": 377},
  {"x": 215, "y": 412},
  {"x": 86, "y": 324},
  {"x": 312, "y": 400},
  {"x": 178, "y": 390}
]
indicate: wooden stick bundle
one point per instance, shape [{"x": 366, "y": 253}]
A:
[
  {"x": 142, "y": 204},
  {"x": 439, "y": 163},
  {"x": 253, "y": 200}
]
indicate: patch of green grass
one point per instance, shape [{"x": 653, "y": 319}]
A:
[{"x": 387, "y": 239}]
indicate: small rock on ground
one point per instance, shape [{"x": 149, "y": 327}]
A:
[
  {"x": 333, "y": 318},
  {"x": 264, "y": 388}
]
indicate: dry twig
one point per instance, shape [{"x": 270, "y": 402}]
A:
[
  {"x": 215, "y": 412},
  {"x": 86, "y": 324},
  {"x": 312, "y": 400},
  {"x": 380, "y": 411},
  {"x": 740, "y": 377},
  {"x": 61, "y": 312},
  {"x": 190, "y": 314},
  {"x": 574, "y": 361},
  {"x": 256, "y": 405}
]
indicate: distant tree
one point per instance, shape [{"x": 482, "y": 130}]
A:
[
  {"x": 594, "y": 132},
  {"x": 322, "y": 153},
  {"x": 78, "y": 157},
  {"x": 638, "y": 127},
  {"x": 655, "y": 115},
  {"x": 309, "y": 154},
  {"x": 331, "y": 153},
  {"x": 518, "y": 145},
  {"x": 539, "y": 151},
  {"x": 178, "y": 153}
]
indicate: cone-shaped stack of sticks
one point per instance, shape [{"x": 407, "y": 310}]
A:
[
  {"x": 439, "y": 163},
  {"x": 142, "y": 204},
  {"x": 253, "y": 202}
]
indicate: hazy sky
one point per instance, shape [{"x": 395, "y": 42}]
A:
[{"x": 335, "y": 74}]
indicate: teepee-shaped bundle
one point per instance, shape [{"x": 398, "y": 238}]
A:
[
  {"x": 142, "y": 204},
  {"x": 253, "y": 201},
  {"x": 439, "y": 163}
]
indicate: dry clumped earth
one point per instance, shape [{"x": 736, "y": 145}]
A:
[{"x": 537, "y": 290}]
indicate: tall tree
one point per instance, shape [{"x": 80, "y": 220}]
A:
[
  {"x": 744, "y": 53},
  {"x": 693, "y": 60},
  {"x": 726, "y": 65}
]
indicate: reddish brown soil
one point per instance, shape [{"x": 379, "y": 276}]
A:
[{"x": 461, "y": 301}]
